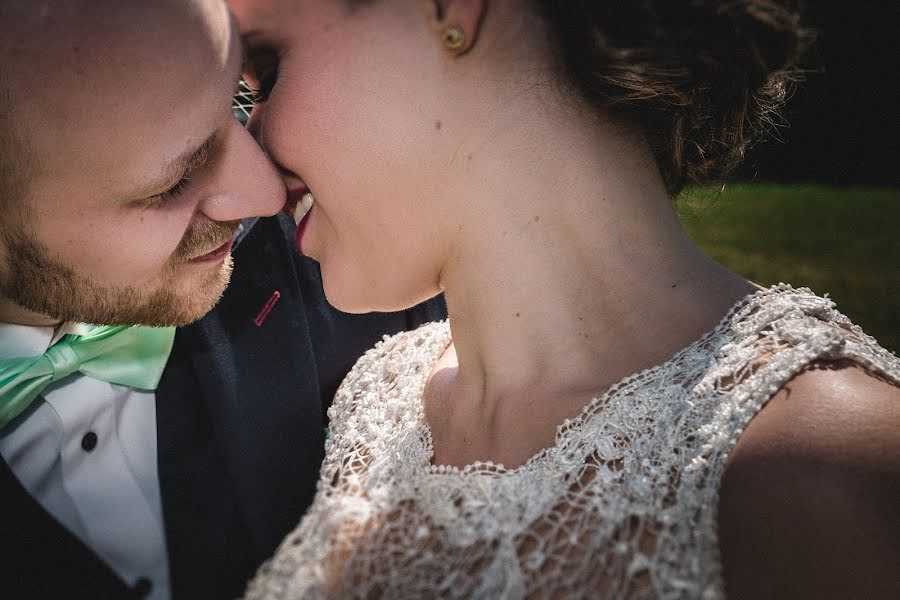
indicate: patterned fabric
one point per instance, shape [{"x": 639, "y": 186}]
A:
[{"x": 622, "y": 506}]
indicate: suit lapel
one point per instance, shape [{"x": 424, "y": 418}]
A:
[
  {"x": 261, "y": 389},
  {"x": 41, "y": 557},
  {"x": 239, "y": 424},
  {"x": 199, "y": 505}
]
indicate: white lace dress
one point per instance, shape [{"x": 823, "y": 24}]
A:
[{"x": 622, "y": 506}]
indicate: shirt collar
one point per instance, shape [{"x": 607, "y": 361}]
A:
[{"x": 19, "y": 341}]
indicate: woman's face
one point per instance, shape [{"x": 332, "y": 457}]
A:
[{"x": 364, "y": 113}]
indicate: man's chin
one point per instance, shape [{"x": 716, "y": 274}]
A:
[{"x": 192, "y": 300}]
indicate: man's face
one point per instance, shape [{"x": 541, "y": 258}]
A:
[{"x": 141, "y": 173}]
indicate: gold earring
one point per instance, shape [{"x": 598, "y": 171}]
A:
[{"x": 454, "y": 38}]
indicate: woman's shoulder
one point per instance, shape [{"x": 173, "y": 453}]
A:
[
  {"x": 813, "y": 387},
  {"x": 812, "y": 487},
  {"x": 804, "y": 408}
]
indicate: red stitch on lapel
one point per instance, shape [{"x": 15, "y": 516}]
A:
[{"x": 267, "y": 309}]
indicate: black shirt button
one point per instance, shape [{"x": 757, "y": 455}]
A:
[
  {"x": 89, "y": 441},
  {"x": 142, "y": 587}
]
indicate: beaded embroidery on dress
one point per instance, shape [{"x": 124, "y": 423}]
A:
[{"x": 622, "y": 506}]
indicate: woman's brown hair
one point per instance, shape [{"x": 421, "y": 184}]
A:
[{"x": 699, "y": 79}]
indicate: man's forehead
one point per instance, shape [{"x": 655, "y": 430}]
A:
[
  {"x": 141, "y": 74},
  {"x": 81, "y": 34}
]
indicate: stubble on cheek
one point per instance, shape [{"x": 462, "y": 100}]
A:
[{"x": 41, "y": 282}]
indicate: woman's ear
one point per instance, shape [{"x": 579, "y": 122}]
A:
[{"x": 456, "y": 23}]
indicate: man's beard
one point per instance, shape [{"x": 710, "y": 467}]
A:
[{"x": 41, "y": 283}]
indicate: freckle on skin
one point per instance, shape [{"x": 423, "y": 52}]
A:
[
  {"x": 468, "y": 157},
  {"x": 438, "y": 124},
  {"x": 537, "y": 218},
  {"x": 518, "y": 315}
]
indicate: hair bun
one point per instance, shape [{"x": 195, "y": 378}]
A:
[
  {"x": 768, "y": 35},
  {"x": 699, "y": 78}
]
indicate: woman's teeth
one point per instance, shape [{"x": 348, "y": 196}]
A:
[{"x": 303, "y": 207}]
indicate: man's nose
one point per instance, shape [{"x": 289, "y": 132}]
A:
[{"x": 244, "y": 183}]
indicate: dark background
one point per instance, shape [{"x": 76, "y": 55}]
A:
[{"x": 843, "y": 120}]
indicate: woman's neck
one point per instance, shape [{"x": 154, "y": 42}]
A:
[{"x": 573, "y": 275}]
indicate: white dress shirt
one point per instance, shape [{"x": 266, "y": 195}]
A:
[{"x": 86, "y": 450}]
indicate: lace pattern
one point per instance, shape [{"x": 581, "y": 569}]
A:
[{"x": 623, "y": 505}]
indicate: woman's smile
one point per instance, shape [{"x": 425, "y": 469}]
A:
[{"x": 302, "y": 212}]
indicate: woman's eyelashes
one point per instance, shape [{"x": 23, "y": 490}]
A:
[
  {"x": 266, "y": 85},
  {"x": 261, "y": 72}
]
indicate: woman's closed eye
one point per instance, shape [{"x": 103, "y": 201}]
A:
[
  {"x": 266, "y": 85},
  {"x": 261, "y": 72}
]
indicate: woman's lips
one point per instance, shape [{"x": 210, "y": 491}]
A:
[
  {"x": 301, "y": 226},
  {"x": 300, "y": 203},
  {"x": 293, "y": 199}
]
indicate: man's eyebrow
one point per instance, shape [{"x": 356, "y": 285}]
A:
[
  {"x": 185, "y": 165},
  {"x": 198, "y": 157}
]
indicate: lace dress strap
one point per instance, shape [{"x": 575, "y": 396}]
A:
[{"x": 770, "y": 339}]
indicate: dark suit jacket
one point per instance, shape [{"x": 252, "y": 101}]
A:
[{"x": 240, "y": 418}]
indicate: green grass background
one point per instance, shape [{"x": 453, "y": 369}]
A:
[{"x": 841, "y": 241}]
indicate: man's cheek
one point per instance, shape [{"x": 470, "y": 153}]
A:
[{"x": 128, "y": 259}]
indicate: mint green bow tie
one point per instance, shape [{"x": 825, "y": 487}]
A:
[{"x": 132, "y": 356}]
